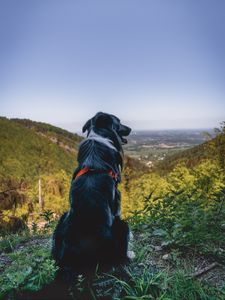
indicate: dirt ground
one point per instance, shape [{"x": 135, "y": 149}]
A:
[{"x": 156, "y": 259}]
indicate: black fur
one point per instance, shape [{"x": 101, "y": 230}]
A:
[{"x": 92, "y": 233}]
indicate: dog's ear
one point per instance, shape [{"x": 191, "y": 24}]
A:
[
  {"x": 86, "y": 126},
  {"x": 103, "y": 120}
]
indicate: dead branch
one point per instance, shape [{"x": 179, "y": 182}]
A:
[{"x": 204, "y": 270}]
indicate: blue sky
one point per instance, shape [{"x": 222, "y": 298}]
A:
[{"x": 153, "y": 63}]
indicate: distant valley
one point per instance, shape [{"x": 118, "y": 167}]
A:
[{"x": 152, "y": 146}]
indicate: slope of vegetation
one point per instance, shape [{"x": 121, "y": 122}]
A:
[
  {"x": 193, "y": 156},
  {"x": 25, "y": 157},
  {"x": 176, "y": 213},
  {"x": 25, "y": 154},
  {"x": 67, "y": 140}
]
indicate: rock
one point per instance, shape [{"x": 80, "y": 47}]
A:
[
  {"x": 157, "y": 248},
  {"x": 166, "y": 256},
  {"x": 141, "y": 265},
  {"x": 131, "y": 254}
]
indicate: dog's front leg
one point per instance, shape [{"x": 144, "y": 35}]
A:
[
  {"x": 120, "y": 233},
  {"x": 122, "y": 225}
]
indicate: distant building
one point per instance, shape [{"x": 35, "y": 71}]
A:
[{"x": 149, "y": 164}]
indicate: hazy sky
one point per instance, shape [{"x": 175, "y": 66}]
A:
[{"x": 154, "y": 63}]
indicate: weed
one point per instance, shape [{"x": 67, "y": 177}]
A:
[
  {"x": 9, "y": 243},
  {"x": 31, "y": 268},
  {"x": 145, "y": 287},
  {"x": 162, "y": 286}
]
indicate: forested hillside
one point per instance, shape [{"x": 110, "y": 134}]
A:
[
  {"x": 30, "y": 152},
  {"x": 176, "y": 212},
  {"x": 65, "y": 139},
  {"x": 29, "y": 149}
]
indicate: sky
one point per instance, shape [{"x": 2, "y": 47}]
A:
[{"x": 153, "y": 63}]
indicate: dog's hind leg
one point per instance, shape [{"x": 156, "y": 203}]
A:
[{"x": 120, "y": 233}]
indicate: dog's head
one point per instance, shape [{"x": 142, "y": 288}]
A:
[{"x": 108, "y": 126}]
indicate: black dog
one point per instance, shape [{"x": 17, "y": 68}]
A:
[{"x": 92, "y": 233}]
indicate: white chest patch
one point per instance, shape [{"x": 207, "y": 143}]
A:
[{"x": 94, "y": 136}]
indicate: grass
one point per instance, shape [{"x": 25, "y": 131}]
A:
[
  {"x": 180, "y": 287},
  {"x": 147, "y": 286},
  {"x": 166, "y": 283},
  {"x": 30, "y": 269},
  {"x": 9, "y": 242},
  {"x": 169, "y": 282},
  {"x": 162, "y": 286},
  {"x": 26, "y": 262}
]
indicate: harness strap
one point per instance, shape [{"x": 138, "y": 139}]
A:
[{"x": 87, "y": 169}]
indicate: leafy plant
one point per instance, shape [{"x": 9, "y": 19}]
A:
[
  {"x": 47, "y": 215},
  {"x": 8, "y": 243},
  {"x": 31, "y": 268},
  {"x": 147, "y": 286}
]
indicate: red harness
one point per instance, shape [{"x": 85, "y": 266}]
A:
[{"x": 87, "y": 169}]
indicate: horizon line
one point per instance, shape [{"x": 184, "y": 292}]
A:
[{"x": 79, "y": 131}]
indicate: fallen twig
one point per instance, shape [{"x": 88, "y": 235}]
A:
[{"x": 204, "y": 270}]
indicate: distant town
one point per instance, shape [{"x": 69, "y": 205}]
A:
[{"x": 150, "y": 146}]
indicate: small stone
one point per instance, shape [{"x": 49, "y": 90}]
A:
[
  {"x": 223, "y": 226},
  {"x": 131, "y": 254},
  {"x": 141, "y": 265},
  {"x": 157, "y": 248},
  {"x": 131, "y": 236},
  {"x": 165, "y": 256}
]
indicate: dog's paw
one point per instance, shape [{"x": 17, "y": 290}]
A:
[{"x": 131, "y": 254}]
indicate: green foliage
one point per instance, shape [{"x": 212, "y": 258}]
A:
[
  {"x": 31, "y": 268},
  {"x": 164, "y": 283},
  {"x": 186, "y": 209},
  {"x": 179, "y": 286},
  {"x": 147, "y": 286},
  {"x": 29, "y": 151},
  {"x": 162, "y": 286},
  {"x": 47, "y": 215},
  {"x": 25, "y": 154},
  {"x": 55, "y": 189},
  {"x": 213, "y": 149},
  {"x": 9, "y": 242},
  {"x": 59, "y": 135}
]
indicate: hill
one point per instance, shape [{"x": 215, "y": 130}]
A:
[
  {"x": 30, "y": 149},
  {"x": 212, "y": 149},
  {"x": 33, "y": 154},
  {"x": 63, "y": 138}
]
